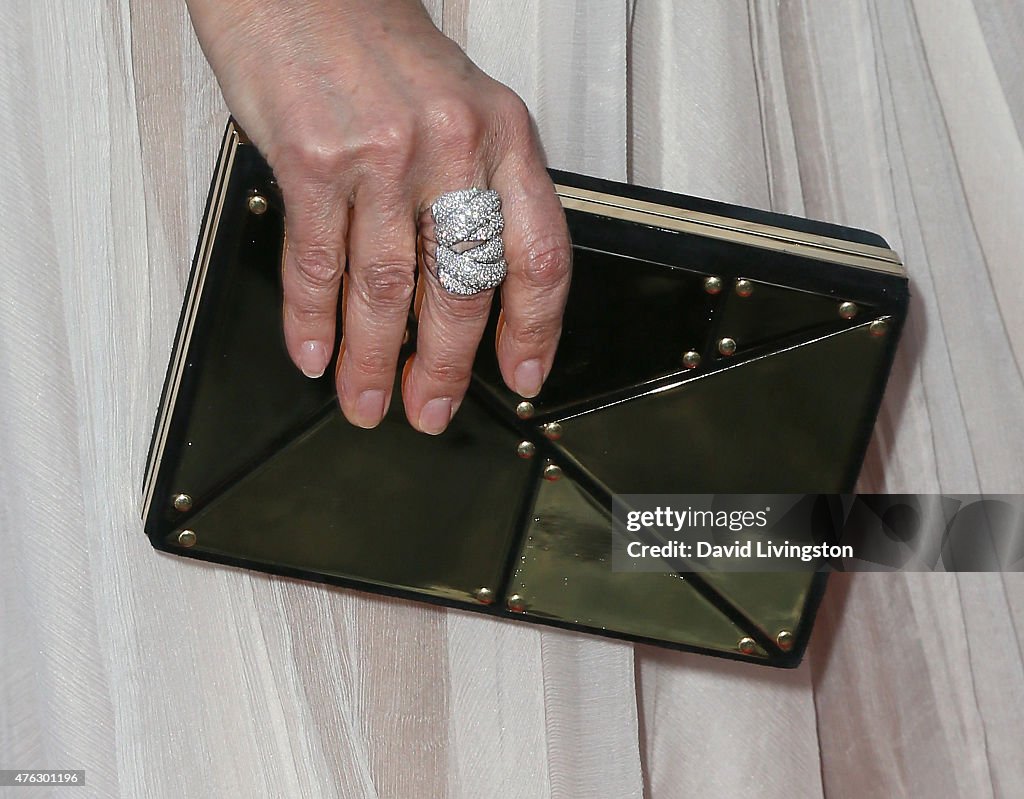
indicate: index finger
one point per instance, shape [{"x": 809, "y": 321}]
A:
[{"x": 539, "y": 257}]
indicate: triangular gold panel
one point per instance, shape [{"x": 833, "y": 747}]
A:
[{"x": 564, "y": 573}]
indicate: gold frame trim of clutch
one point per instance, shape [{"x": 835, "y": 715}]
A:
[
  {"x": 232, "y": 140},
  {"x": 754, "y": 234}
]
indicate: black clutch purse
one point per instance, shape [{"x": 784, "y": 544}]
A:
[{"x": 706, "y": 349}]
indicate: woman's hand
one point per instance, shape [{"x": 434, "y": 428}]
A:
[{"x": 367, "y": 113}]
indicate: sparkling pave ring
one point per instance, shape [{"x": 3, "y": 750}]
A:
[{"x": 470, "y": 254}]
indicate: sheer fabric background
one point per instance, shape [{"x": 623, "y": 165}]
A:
[{"x": 171, "y": 678}]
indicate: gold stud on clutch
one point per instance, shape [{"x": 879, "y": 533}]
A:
[
  {"x": 258, "y": 204},
  {"x": 524, "y": 410},
  {"x": 712, "y": 285},
  {"x": 485, "y": 596},
  {"x": 553, "y": 430},
  {"x": 526, "y": 449},
  {"x": 552, "y": 472},
  {"x": 848, "y": 310}
]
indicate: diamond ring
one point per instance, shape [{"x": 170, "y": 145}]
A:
[{"x": 470, "y": 255}]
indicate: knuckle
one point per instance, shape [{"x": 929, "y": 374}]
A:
[
  {"x": 390, "y": 142},
  {"x": 448, "y": 371},
  {"x": 369, "y": 362},
  {"x": 307, "y": 315},
  {"x": 318, "y": 268},
  {"x": 533, "y": 333},
  {"x": 460, "y": 309},
  {"x": 548, "y": 263},
  {"x": 311, "y": 155},
  {"x": 514, "y": 114},
  {"x": 388, "y": 285},
  {"x": 454, "y": 123}
]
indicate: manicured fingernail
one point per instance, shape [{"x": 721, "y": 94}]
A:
[
  {"x": 313, "y": 357},
  {"x": 435, "y": 415},
  {"x": 369, "y": 408},
  {"x": 529, "y": 376}
]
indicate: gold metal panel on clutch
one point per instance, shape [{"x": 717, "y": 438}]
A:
[
  {"x": 564, "y": 574},
  {"x": 332, "y": 501},
  {"x": 706, "y": 349}
]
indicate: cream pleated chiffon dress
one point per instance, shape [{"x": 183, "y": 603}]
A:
[{"x": 171, "y": 678}]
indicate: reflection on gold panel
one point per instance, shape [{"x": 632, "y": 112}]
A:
[{"x": 564, "y": 573}]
